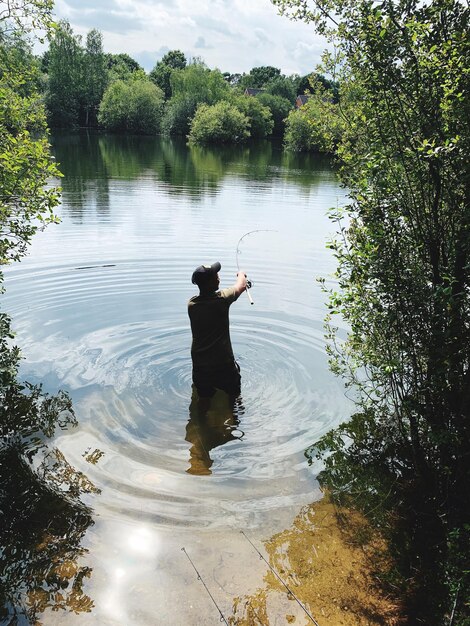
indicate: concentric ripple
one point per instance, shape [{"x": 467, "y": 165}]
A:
[{"x": 104, "y": 317}]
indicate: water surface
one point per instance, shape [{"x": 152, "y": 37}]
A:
[{"x": 99, "y": 308}]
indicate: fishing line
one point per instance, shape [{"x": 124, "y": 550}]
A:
[
  {"x": 289, "y": 591},
  {"x": 237, "y": 252},
  {"x": 199, "y": 577}
]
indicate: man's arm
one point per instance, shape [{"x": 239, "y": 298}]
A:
[{"x": 240, "y": 285}]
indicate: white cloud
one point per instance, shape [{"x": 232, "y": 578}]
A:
[
  {"x": 262, "y": 36},
  {"x": 201, "y": 44},
  {"x": 303, "y": 49},
  {"x": 188, "y": 21},
  {"x": 234, "y": 35}
]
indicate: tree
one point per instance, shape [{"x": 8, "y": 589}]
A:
[
  {"x": 404, "y": 286},
  {"x": 317, "y": 126},
  {"x": 284, "y": 87},
  {"x": 260, "y": 76},
  {"x": 65, "y": 77},
  {"x": 27, "y": 202},
  {"x": 306, "y": 83},
  {"x": 23, "y": 16},
  {"x": 219, "y": 123},
  {"x": 26, "y": 165},
  {"x": 259, "y": 116},
  {"x": 132, "y": 105},
  {"x": 232, "y": 79},
  {"x": 280, "y": 109},
  {"x": 95, "y": 75},
  {"x": 191, "y": 86},
  {"x": 200, "y": 83},
  {"x": 298, "y": 137},
  {"x": 174, "y": 59},
  {"x": 178, "y": 114},
  {"x": 161, "y": 73},
  {"x": 121, "y": 66}
]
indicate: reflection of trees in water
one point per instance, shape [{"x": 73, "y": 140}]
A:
[
  {"x": 89, "y": 160},
  {"x": 190, "y": 171},
  {"x": 212, "y": 423},
  {"x": 42, "y": 519},
  {"x": 306, "y": 169},
  {"x": 127, "y": 157},
  {"x": 86, "y": 179}
]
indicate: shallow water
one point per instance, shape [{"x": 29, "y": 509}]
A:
[{"x": 99, "y": 308}]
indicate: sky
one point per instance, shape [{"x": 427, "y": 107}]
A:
[{"x": 232, "y": 35}]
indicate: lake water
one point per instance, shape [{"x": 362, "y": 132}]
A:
[{"x": 99, "y": 308}]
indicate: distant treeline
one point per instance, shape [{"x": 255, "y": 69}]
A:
[{"x": 83, "y": 86}]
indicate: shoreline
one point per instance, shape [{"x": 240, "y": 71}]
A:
[{"x": 329, "y": 559}]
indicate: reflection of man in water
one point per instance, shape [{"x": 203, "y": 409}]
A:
[
  {"x": 214, "y": 366},
  {"x": 211, "y": 424}
]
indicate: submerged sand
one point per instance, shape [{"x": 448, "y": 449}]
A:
[{"x": 329, "y": 559}]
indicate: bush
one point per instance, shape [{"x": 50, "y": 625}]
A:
[
  {"x": 191, "y": 86},
  {"x": 297, "y": 137},
  {"x": 260, "y": 118},
  {"x": 178, "y": 114},
  {"x": 316, "y": 127},
  {"x": 280, "y": 109},
  {"x": 283, "y": 87},
  {"x": 219, "y": 123},
  {"x": 200, "y": 83},
  {"x": 132, "y": 105}
]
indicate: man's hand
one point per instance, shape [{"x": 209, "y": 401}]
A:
[{"x": 240, "y": 285}]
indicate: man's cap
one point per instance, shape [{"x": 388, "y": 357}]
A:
[{"x": 204, "y": 271}]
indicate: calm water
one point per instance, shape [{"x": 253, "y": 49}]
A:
[{"x": 99, "y": 308}]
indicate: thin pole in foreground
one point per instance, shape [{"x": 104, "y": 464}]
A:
[
  {"x": 199, "y": 577},
  {"x": 289, "y": 591}
]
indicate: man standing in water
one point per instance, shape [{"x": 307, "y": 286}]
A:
[{"x": 214, "y": 366}]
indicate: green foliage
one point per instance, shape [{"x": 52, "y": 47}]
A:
[
  {"x": 232, "y": 79},
  {"x": 219, "y": 123},
  {"x": 95, "y": 75},
  {"x": 63, "y": 97},
  {"x": 307, "y": 84},
  {"x": 161, "y": 76},
  {"x": 177, "y": 116},
  {"x": 17, "y": 59},
  {"x": 283, "y": 87},
  {"x": 260, "y": 76},
  {"x": 175, "y": 59},
  {"x": 77, "y": 77},
  {"x": 297, "y": 137},
  {"x": 403, "y": 274},
  {"x": 259, "y": 116},
  {"x": 280, "y": 109},
  {"x": 132, "y": 105},
  {"x": 199, "y": 83},
  {"x": 191, "y": 86},
  {"x": 25, "y": 165},
  {"x": 317, "y": 126},
  {"x": 161, "y": 73},
  {"x": 24, "y": 16},
  {"x": 121, "y": 66}
]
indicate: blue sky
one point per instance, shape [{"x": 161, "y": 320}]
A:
[{"x": 233, "y": 35}]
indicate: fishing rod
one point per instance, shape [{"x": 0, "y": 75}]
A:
[
  {"x": 249, "y": 283},
  {"x": 199, "y": 577},
  {"x": 289, "y": 591}
]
